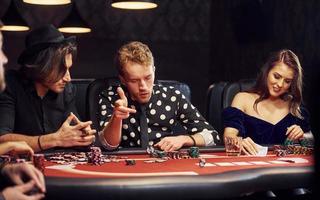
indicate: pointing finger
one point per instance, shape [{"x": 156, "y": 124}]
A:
[{"x": 121, "y": 93}]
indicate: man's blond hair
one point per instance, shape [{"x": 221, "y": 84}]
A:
[{"x": 136, "y": 52}]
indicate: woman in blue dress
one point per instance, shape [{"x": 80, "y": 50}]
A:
[{"x": 271, "y": 111}]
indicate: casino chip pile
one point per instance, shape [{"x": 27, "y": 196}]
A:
[
  {"x": 283, "y": 150},
  {"x": 95, "y": 156},
  {"x": 68, "y": 158},
  {"x": 192, "y": 152},
  {"x": 38, "y": 161}
]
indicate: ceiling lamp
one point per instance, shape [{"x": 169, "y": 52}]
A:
[
  {"x": 74, "y": 23},
  {"x": 48, "y": 2},
  {"x": 134, "y": 4},
  {"x": 12, "y": 20}
]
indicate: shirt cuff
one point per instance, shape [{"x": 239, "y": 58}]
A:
[
  {"x": 208, "y": 137},
  {"x": 104, "y": 142}
]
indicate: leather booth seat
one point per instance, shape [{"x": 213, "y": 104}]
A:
[{"x": 220, "y": 96}]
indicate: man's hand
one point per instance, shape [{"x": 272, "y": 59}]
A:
[
  {"x": 72, "y": 135},
  {"x": 121, "y": 110},
  {"x": 172, "y": 143},
  {"x": 16, "y": 147},
  {"x": 15, "y": 172},
  {"x": 249, "y": 147},
  {"x": 294, "y": 132},
  {"x": 18, "y": 192},
  {"x": 86, "y": 130}
]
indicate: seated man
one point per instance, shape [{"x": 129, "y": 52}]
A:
[
  {"x": 38, "y": 103},
  {"x": 139, "y": 113}
]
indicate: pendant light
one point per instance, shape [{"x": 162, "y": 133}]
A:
[
  {"x": 48, "y": 2},
  {"x": 12, "y": 20},
  {"x": 74, "y": 23},
  {"x": 134, "y": 4}
]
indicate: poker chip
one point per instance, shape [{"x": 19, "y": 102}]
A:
[
  {"x": 297, "y": 149},
  {"x": 150, "y": 150},
  {"x": 38, "y": 161},
  {"x": 277, "y": 147},
  {"x": 281, "y": 153},
  {"x": 288, "y": 142},
  {"x": 303, "y": 142},
  {"x": 290, "y": 149},
  {"x": 95, "y": 156},
  {"x": 194, "y": 152}
]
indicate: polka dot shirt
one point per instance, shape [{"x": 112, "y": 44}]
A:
[{"x": 167, "y": 108}]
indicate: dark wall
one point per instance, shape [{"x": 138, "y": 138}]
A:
[
  {"x": 178, "y": 33},
  {"x": 244, "y": 32}
]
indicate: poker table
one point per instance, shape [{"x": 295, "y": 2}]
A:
[{"x": 221, "y": 177}]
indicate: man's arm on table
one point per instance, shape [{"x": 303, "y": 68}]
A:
[{"x": 67, "y": 136}]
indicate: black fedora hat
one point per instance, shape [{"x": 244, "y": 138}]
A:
[{"x": 42, "y": 38}]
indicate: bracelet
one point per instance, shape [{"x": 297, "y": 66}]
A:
[
  {"x": 39, "y": 144},
  {"x": 193, "y": 140}
]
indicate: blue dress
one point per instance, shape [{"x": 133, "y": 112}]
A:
[{"x": 260, "y": 131}]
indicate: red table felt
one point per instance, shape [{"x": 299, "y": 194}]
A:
[{"x": 178, "y": 165}]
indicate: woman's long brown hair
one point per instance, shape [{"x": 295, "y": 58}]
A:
[{"x": 294, "y": 94}]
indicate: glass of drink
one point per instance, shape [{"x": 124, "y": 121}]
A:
[{"x": 233, "y": 145}]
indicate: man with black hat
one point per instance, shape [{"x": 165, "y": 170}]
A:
[{"x": 38, "y": 104}]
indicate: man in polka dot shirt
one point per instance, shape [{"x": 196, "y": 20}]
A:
[{"x": 165, "y": 107}]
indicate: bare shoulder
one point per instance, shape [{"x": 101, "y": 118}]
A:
[{"x": 243, "y": 99}]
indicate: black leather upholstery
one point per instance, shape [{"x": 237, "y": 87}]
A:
[
  {"x": 231, "y": 89},
  {"x": 81, "y": 86},
  {"x": 94, "y": 89},
  {"x": 220, "y": 96},
  {"x": 184, "y": 88},
  {"x": 98, "y": 85},
  {"x": 214, "y": 105}
]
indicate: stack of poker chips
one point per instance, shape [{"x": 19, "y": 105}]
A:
[
  {"x": 193, "y": 152},
  {"x": 288, "y": 142},
  {"x": 95, "y": 156},
  {"x": 178, "y": 154},
  {"x": 279, "y": 150},
  {"x": 155, "y": 153},
  {"x": 292, "y": 149},
  {"x": 174, "y": 155},
  {"x": 38, "y": 161}
]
